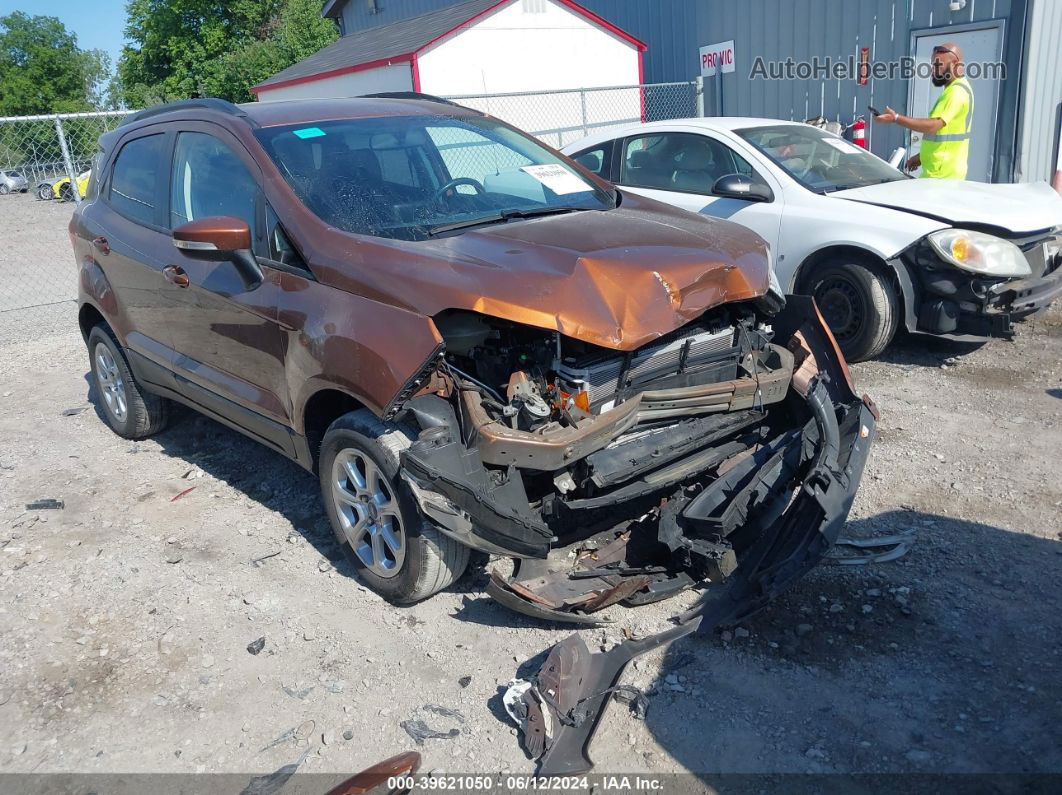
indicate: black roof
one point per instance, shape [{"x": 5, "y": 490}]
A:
[{"x": 387, "y": 41}]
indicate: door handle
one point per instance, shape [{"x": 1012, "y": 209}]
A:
[
  {"x": 101, "y": 245},
  {"x": 175, "y": 275}
]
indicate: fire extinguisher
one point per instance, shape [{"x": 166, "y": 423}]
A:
[{"x": 859, "y": 132}]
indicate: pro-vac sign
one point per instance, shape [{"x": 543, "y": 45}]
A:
[{"x": 717, "y": 56}]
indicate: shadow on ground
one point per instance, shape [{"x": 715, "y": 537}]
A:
[
  {"x": 991, "y": 703},
  {"x": 924, "y": 350}
]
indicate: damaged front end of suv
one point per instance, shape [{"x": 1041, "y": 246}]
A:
[
  {"x": 733, "y": 442},
  {"x": 723, "y": 455}
]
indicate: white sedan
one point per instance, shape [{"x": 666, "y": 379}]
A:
[{"x": 874, "y": 247}]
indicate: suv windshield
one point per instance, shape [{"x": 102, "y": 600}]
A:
[
  {"x": 412, "y": 177},
  {"x": 818, "y": 160}
]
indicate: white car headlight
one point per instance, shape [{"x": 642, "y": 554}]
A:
[{"x": 980, "y": 253}]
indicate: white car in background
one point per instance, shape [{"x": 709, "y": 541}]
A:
[{"x": 875, "y": 247}]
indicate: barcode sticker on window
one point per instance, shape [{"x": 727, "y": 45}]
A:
[
  {"x": 557, "y": 178},
  {"x": 842, "y": 145}
]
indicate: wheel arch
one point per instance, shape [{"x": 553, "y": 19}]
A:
[
  {"x": 893, "y": 268},
  {"x": 88, "y": 316},
  {"x": 320, "y": 410}
]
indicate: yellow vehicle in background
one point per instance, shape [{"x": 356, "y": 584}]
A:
[{"x": 61, "y": 190}]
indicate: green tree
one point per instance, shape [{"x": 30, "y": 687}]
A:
[
  {"x": 190, "y": 48},
  {"x": 42, "y": 70}
]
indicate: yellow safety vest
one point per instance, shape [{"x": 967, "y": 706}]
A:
[{"x": 945, "y": 152}]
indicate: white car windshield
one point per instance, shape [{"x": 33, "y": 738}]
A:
[
  {"x": 818, "y": 160},
  {"x": 415, "y": 177}
]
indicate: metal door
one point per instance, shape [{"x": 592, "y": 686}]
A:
[{"x": 982, "y": 43}]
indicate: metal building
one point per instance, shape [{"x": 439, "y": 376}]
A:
[{"x": 1018, "y": 111}]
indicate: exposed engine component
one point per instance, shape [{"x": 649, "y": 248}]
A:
[
  {"x": 690, "y": 351},
  {"x": 627, "y": 477},
  {"x": 524, "y": 397}
]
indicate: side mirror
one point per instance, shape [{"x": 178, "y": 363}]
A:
[
  {"x": 221, "y": 238},
  {"x": 738, "y": 186}
]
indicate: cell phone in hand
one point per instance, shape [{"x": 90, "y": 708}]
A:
[{"x": 873, "y": 110}]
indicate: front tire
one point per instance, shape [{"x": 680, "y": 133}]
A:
[
  {"x": 4, "y": 189},
  {"x": 396, "y": 551},
  {"x": 860, "y": 305},
  {"x": 130, "y": 412},
  {"x": 44, "y": 192}
]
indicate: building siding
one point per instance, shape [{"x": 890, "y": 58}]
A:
[
  {"x": 1041, "y": 105},
  {"x": 837, "y": 29},
  {"x": 801, "y": 29}
]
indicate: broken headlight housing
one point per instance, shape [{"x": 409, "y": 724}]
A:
[{"x": 981, "y": 253}]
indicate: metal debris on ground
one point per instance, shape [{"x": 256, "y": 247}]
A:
[
  {"x": 850, "y": 551},
  {"x": 181, "y": 494},
  {"x": 274, "y": 782},
  {"x": 259, "y": 561},
  {"x": 74, "y": 411},
  {"x": 465, "y": 681},
  {"x": 283, "y": 738},
  {"x": 419, "y": 731},
  {"x": 444, "y": 712},
  {"x": 256, "y": 646},
  {"x": 46, "y": 505}
]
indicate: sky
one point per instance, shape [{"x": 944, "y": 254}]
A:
[{"x": 98, "y": 24}]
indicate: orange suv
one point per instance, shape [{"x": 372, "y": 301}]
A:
[{"x": 476, "y": 344}]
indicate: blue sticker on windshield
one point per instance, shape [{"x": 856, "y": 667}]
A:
[{"x": 309, "y": 132}]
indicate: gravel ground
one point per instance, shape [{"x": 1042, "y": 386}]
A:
[{"x": 126, "y": 616}]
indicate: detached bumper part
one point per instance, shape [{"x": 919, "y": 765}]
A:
[{"x": 575, "y": 685}]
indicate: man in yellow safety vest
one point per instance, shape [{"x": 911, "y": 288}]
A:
[{"x": 946, "y": 133}]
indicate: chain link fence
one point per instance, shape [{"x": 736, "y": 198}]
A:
[
  {"x": 42, "y": 158},
  {"x": 560, "y": 117}
]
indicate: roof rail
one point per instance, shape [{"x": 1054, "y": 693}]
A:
[
  {"x": 205, "y": 103},
  {"x": 411, "y": 95}
]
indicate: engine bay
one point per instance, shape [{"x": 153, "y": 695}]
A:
[
  {"x": 611, "y": 475},
  {"x": 531, "y": 378}
]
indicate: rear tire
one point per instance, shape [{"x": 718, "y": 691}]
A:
[
  {"x": 397, "y": 552},
  {"x": 859, "y": 303},
  {"x": 44, "y": 192},
  {"x": 130, "y": 412}
]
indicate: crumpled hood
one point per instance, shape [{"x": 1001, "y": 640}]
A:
[
  {"x": 1015, "y": 208},
  {"x": 617, "y": 278}
]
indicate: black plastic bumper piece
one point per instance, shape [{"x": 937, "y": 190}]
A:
[
  {"x": 955, "y": 303},
  {"x": 1025, "y": 297},
  {"x": 793, "y": 544}
]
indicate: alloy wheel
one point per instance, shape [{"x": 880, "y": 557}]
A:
[
  {"x": 368, "y": 512},
  {"x": 111, "y": 384}
]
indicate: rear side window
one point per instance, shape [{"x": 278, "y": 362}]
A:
[
  {"x": 597, "y": 159},
  {"x": 134, "y": 180},
  {"x": 208, "y": 180},
  {"x": 684, "y": 162}
]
